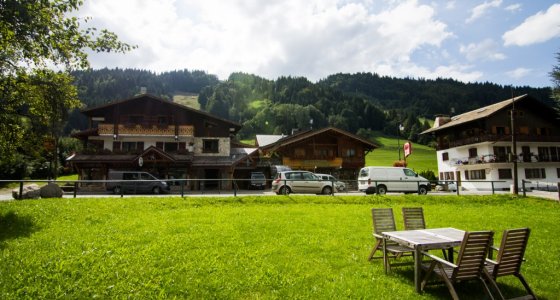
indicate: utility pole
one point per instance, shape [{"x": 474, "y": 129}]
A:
[{"x": 514, "y": 146}]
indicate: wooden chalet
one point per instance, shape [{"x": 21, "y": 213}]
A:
[
  {"x": 169, "y": 140},
  {"x": 329, "y": 150}
]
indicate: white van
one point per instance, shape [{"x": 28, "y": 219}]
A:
[{"x": 391, "y": 179}]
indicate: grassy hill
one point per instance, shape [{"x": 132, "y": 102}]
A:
[
  {"x": 423, "y": 158},
  {"x": 187, "y": 99}
]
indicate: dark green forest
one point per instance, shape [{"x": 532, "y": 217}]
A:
[{"x": 361, "y": 103}]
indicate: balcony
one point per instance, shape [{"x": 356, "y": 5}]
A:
[
  {"x": 493, "y": 158},
  {"x": 495, "y": 138},
  {"x": 151, "y": 130}
]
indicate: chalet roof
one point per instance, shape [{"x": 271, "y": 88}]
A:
[
  {"x": 484, "y": 112},
  {"x": 106, "y": 158},
  {"x": 287, "y": 140},
  {"x": 93, "y": 110},
  {"x": 236, "y": 155},
  {"x": 267, "y": 139}
]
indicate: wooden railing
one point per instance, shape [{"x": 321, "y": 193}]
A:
[{"x": 169, "y": 130}]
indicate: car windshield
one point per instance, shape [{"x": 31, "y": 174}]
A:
[{"x": 364, "y": 172}]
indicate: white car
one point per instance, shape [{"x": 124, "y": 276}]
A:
[
  {"x": 338, "y": 185},
  {"x": 300, "y": 182}
]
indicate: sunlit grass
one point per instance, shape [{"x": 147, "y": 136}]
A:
[
  {"x": 273, "y": 247},
  {"x": 423, "y": 158}
]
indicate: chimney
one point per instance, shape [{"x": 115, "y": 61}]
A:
[
  {"x": 441, "y": 120},
  {"x": 143, "y": 90}
]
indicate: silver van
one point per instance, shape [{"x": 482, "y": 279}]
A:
[
  {"x": 137, "y": 182},
  {"x": 391, "y": 179}
]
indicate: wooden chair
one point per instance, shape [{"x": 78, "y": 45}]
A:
[
  {"x": 469, "y": 266},
  {"x": 413, "y": 218},
  {"x": 510, "y": 257},
  {"x": 383, "y": 220}
]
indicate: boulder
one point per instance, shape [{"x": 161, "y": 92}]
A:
[
  {"x": 31, "y": 191},
  {"x": 51, "y": 190}
]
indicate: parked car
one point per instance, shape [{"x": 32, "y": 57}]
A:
[
  {"x": 133, "y": 181},
  {"x": 300, "y": 182},
  {"x": 391, "y": 179},
  {"x": 338, "y": 185},
  {"x": 258, "y": 180}
]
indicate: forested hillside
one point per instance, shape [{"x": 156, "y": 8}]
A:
[{"x": 360, "y": 103}]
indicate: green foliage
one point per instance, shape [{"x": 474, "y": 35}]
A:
[
  {"x": 270, "y": 247},
  {"x": 35, "y": 36},
  {"x": 555, "y": 76}
]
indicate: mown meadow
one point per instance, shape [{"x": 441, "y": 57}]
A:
[{"x": 254, "y": 247}]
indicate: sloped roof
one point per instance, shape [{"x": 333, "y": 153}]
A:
[
  {"x": 287, "y": 140},
  {"x": 236, "y": 155},
  {"x": 89, "y": 111},
  {"x": 267, "y": 139},
  {"x": 482, "y": 113}
]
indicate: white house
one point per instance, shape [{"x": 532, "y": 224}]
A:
[{"x": 475, "y": 148}]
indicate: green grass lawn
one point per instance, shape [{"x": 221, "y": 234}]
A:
[
  {"x": 265, "y": 247},
  {"x": 423, "y": 158}
]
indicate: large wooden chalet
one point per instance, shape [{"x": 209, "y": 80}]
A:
[
  {"x": 329, "y": 150},
  {"x": 164, "y": 138}
]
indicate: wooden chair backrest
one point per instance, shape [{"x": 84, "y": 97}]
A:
[
  {"x": 472, "y": 255},
  {"x": 512, "y": 250},
  {"x": 383, "y": 220},
  {"x": 413, "y": 218}
]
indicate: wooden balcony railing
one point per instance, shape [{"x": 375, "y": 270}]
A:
[{"x": 122, "y": 129}]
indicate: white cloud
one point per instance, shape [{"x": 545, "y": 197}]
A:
[
  {"x": 483, "y": 51},
  {"x": 479, "y": 10},
  {"x": 513, "y": 7},
  {"x": 312, "y": 38},
  {"x": 538, "y": 28},
  {"x": 519, "y": 73}
]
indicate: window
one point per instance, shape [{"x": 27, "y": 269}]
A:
[
  {"x": 135, "y": 119},
  {"x": 537, "y": 173},
  {"x": 210, "y": 146},
  {"x": 554, "y": 153},
  {"x": 299, "y": 152},
  {"x": 409, "y": 173},
  {"x": 170, "y": 147},
  {"x": 558, "y": 172},
  {"x": 477, "y": 174},
  {"x": 500, "y": 130},
  {"x": 128, "y": 146},
  {"x": 350, "y": 152},
  {"x": 445, "y": 156},
  {"x": 473, "y": 152},
  {"x": 544, "y": 155},
  {"x": 162, "y": 121},
  {"x": 543, "y": 131},
  {"x": 501, "y": 153},
  {"x": 504, "y": 174}
]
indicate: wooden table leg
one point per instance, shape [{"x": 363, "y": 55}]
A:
[
  {"x": 417, "y": 268},
  {"x": 385, "y": 258}
]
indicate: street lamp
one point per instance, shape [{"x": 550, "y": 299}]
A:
[{"x": 400, "y": 128}]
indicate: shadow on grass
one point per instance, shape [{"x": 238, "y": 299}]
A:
[
  {"x": 472, "y": 289},
  {"x": 13, "y": 226}
]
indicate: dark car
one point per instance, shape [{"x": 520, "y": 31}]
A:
[{"x": 258, "y": 181}]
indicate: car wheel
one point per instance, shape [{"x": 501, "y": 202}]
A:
[
  {"x": 284, "y": 190},
  {"x": 117, "y": 190},
  {"x": 382, "y": 190},
  {"x": 422, "y": 190},
  {"x": 156, "y": 190},
  {"x": 327, "y": 190}
]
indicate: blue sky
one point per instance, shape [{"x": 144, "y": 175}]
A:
[{"x": 499, "y": 41}]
